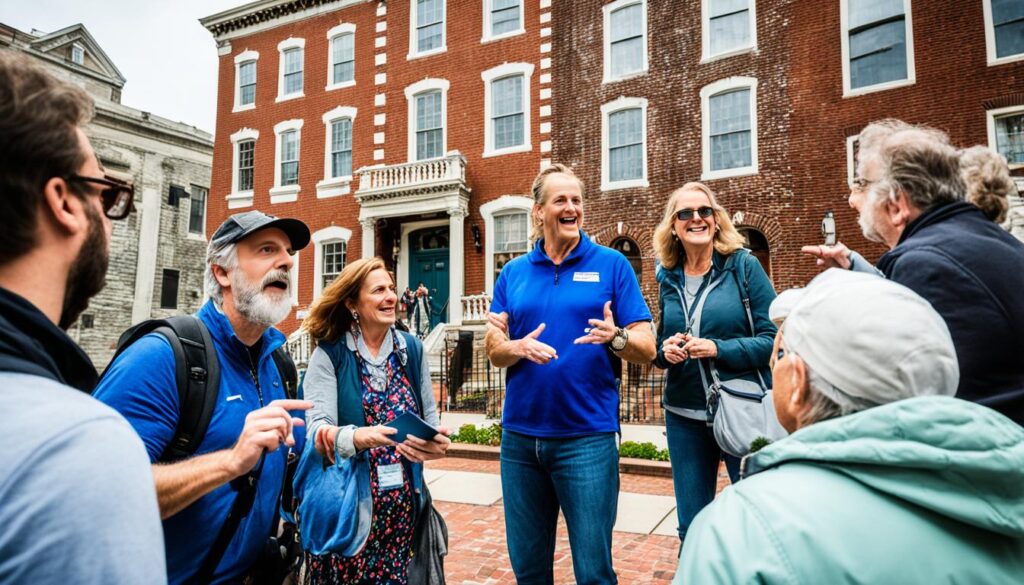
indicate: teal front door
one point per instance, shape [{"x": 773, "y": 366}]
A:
[{"x": 428, "y": 264}]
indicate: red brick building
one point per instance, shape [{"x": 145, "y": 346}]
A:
[
  {"x": 758, "y": 99},
  {"x": 408, "y": 129}
]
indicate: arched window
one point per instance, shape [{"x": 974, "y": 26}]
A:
[{"x": 631, "y": 250}]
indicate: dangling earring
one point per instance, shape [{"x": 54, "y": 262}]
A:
[{"x": 355, "y": 324}]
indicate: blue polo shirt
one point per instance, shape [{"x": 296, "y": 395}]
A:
[
  {"x": 576, "y": 394},
  {"x": 140, "y": 385}
]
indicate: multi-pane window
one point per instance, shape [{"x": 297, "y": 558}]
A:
[
  {"x": 247, "y": 83},
  {"x": 197, "y": 210},
  {"x": 1010, "y": 137},
  {"x": 730, "y": 130},
  {"x": 343, "y": 57},
  {"x": 877, "y": 42},
  {"x": 246, "y": 152},
  {"x": 290, "y": 158},
  {"x": 429, "y": 25},
  {"x": 507, "y": 112},
  {"x": 626, "y": 38},
  {"x": 341, "y": 148},
  {"x": 429, "y": 125},
  {"x": 333, "y": 261},
  {"x": 77, "y": 54},
  {"x": 510, "y": 239},
  {"x": 292, "y": 71},
  {"x": 728, "y": 25},
  {"x": 625, "y": 145},
  {"x": 1008, "y": 27},
  {"x": 505, "y": 16}
]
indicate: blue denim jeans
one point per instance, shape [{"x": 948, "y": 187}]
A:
[
  {"x": 695, "y": 455},
  {"x": 578, "y": 475}
]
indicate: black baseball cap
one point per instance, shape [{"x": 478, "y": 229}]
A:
[{"x": 240, "y": 225}]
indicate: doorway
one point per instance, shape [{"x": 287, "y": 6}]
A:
[
  {"x": 428, "y": 263},
  {"x": 757, "y": 243}
]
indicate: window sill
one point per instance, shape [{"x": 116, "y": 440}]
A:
[
  {"x": 240, "y": 199},
  {"x": 630, "y": 184},
  {"x": 728, "y": 173},
  {"x": 196, "y": 237},
  {"x": 430, "y": 53},
  {"x": 727, "y": 54},
  {"x": 509, "y": 150},
  {"x": 291, "y": 96},
  {"x": 244, "y": 108},
  {"x": 879, "y": 87},
  {"x": 286, "y": 194},
  {"x": 333, "y": 187},
  {"x": 341, "y": 85},
  {"x": 1004, "y": 60},
  {"x": 502, "y": 36},
  {"x": 625, "y": 77}
]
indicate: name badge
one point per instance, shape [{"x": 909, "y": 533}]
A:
[
  {"x": 390, "y": 476},
  {"x": 586, "y": 277}
]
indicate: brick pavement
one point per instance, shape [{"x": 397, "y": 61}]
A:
[{"x": 478, "y": 555}]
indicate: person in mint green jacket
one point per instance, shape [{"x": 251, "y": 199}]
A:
[{"x": 886, "y": 478}]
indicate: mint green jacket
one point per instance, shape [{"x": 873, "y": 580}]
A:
[{"x": 925, "y": 490}]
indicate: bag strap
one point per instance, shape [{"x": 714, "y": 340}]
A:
[{"x": 745, "y": 298}]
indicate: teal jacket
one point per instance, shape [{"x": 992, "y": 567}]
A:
[
  {"x": 723, "y": 320},
  {"x": 924, "y": 490}
]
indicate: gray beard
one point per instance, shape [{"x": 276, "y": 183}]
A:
[
  {"x": 866, "y": 221},
  {"x": 256, "y": 306}
]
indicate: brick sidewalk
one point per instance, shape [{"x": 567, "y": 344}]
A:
[{"x": 476, "y": 538}]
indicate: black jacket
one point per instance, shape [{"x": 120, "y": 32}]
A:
[
  {"x": 31, "y": 344},
  {"x": 972, "y": 272}
]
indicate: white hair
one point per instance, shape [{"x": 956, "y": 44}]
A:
[{"x": 225, "y": 256}]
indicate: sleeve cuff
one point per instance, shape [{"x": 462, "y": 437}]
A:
[{"x": 344, "y": 443}]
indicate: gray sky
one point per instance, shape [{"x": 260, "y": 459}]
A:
[{"x": 168, "y": 58}]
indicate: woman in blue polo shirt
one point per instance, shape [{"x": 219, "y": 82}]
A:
[{"x": 556, "y": 315}]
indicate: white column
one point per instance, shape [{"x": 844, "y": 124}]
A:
[
  {"x": 368, "y": 237},
  {"x": 149, "y": 238},
  {"x": 456, "y": 264}
]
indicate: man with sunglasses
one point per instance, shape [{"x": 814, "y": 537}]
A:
[{"x": 77, "y": 492}]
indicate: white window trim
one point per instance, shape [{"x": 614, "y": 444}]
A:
[
  {"x": 488, "y": 37},
  {"x": 489, "y": 210},
  {"x": 990, "y": 122},
  {"x": 238, "y": 198},
  {"x": 342, "y": 29},
  {"x": 80, "y": 48},
  {"x": 851, "y": 164},
  {"x": 285, "y": 193},
  {"x": 990, "y": 39},
  {"x": 335, "y": 186},
  {"x": 844, "y": 10},
  {"x": 410, "y": 96},
  {"x": 622, "y": 103},
  {"x": 489, "y": 77},
  {"x": 414, "y": 45},
  {"x": 706, "y": 93},
  {"x": 327, "y": 235},
  {"x": 201, "y": 236},
  {"x": 705, "y": 34},
  {"x": 290, "y": 43},
  {"x": 240, "y": 59},
  {"x": 293, "y": 276},
  {"x": 607, "y": 43}
]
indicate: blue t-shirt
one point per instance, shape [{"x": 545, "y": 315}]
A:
[
  {"x": 140, "y": 385},
  {"x": 576, "y": 394}
]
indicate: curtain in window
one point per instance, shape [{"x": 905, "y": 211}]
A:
[
  {"x": 429, "y": 24},
  {"x": 341, "y": 148},
  {"x": 625, "y": 141},
  {"x": 344, "y": 58},
  {"x": 1008, "y": 21},
  {"x": 730, "y": 130},
  {"x": 429, "y": 131},
  {"x": 1010, "y": 138},
  {"x": 507, "y": 111},
  {"x": 627, "y": 31},
  {"x": 878, "y": 42},
  {"x": 504, "y": 16},
  {"x": 292, "y": 71},
  {"x": 290, "y": 158},
  {"x": 729, "y": 26},
  {"x": 247, "y": 83}
]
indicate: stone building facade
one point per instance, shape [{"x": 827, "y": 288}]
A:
[
  {"x": 788, "y": 82},
  {"x": 156, "y": 254}
]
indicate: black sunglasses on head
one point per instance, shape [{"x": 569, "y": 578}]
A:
[
  {"x": 687, "y": 214},
  {"x": 117, "y": 195}
]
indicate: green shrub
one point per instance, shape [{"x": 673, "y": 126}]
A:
[{"x": 478, "y": 436}]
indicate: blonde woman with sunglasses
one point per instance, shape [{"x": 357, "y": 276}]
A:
[{"x": 701, "y": 270}]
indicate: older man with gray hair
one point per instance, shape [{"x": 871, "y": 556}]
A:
[
  {"x": 910, "y": 195},
  {"x": 219, "y": 502},
  {"x": 885, "y": 478}
]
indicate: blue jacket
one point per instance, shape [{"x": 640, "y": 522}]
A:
[
  {"x": 724, "y": 321},
  {"x": 140, "y": 384},
  {"x": 972, "y": 272}
]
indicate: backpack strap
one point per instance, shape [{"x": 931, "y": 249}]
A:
[{"x": 289, "y": 373}]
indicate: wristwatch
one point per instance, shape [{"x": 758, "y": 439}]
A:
[{"x": 618, "y": 343}]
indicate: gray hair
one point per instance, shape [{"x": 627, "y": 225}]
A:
[
  {"x": 988, "y": 181},
  {"x": 225, "y": 256},
  {"x": 917, "y": 160},
  {"x": 825, "y": 401}
]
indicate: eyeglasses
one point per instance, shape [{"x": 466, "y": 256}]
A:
[
  {"x": 117, "y": 196},
  {"x": 687, "y": 214}
]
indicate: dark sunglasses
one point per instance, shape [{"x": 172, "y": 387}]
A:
[
  {"x": 687, "y": 214},
  {"x": 117, "y": 195}
]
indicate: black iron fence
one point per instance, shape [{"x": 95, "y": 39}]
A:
[{"x": 469, "y": 383}]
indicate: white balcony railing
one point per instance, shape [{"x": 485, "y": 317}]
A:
[
  {"x": 299, "y": 345},
  {"x": 475, "y": 308},
  {"x": 449, "y": 169}
]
